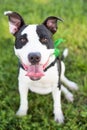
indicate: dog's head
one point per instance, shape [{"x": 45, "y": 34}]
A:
[{"x": 33, "y": 43}]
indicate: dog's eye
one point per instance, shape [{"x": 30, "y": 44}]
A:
[
  {"x": 23, "y": 40},
  {"x": 44, "y": 40}
]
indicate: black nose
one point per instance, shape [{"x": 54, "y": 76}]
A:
[{"x": 34, "y": 57}]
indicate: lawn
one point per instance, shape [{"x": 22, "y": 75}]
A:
[{"x": 74, "y": 31}]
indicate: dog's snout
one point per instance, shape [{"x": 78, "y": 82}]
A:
[{"x": 34, "y": 57}]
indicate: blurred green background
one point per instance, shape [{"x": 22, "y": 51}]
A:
[{"x": 74, "y": 31}]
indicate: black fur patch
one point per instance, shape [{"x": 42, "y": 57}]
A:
[
  {"x": 20, "y": 40},
  {"x": 45, "y": 36}
]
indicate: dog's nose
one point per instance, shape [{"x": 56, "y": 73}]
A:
[{"x": 34, "y": 57}]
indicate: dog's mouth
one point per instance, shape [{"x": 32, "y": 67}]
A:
[{"x": 36, "y": 71}]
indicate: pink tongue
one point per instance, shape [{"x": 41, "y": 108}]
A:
[{"x": 35, "y": 71}]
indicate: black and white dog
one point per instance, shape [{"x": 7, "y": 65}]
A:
[{"x": 34, "y": 48}]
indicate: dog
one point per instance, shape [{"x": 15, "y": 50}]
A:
[{"x": 35, "y": 51}]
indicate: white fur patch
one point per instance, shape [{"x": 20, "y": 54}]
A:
[{"x": 7, "y": 12}]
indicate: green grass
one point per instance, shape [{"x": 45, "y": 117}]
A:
[{"x": 74, "y": 31}]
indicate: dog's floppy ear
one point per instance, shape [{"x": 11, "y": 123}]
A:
[
  {"x": 15, "y": 21},
  {"x": 51, "y": 23}
]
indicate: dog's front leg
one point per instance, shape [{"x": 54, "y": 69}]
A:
[
  {"x": 57, "y": 105},
  {"x": 23, "y": 91}
]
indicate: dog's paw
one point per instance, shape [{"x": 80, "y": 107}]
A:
[
  {"x": 69, "y": 97},
  {"x": 21, "y": 113},
  {"x": 59, "y": 118},
  {"x": 74, "y": 86}
]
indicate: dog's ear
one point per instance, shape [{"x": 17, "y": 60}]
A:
[
  {"x": 15, "y": 21},
  {"x": 51, "y": 23}
]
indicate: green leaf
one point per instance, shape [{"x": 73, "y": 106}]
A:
[
  {"x": 56, "y": 52},
  {"x": 57, "y": 42}
]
